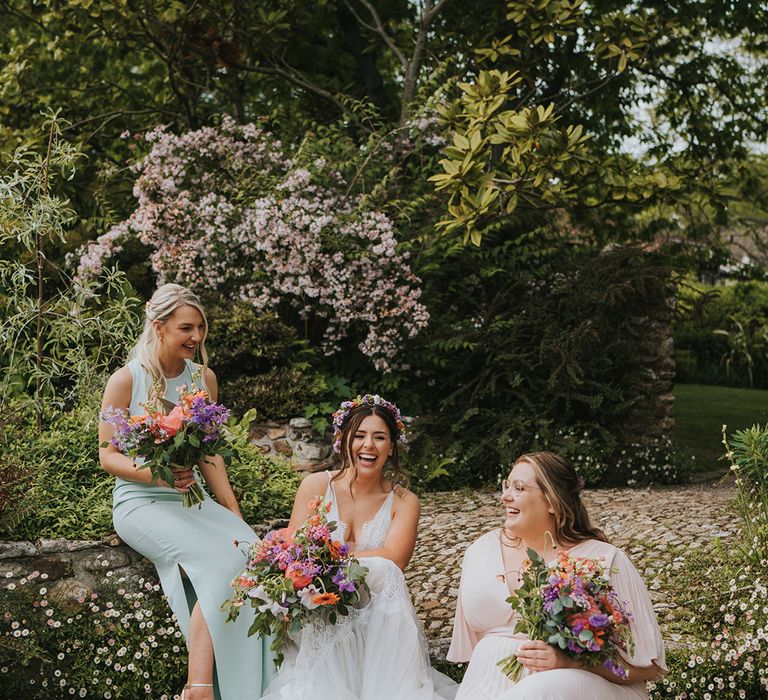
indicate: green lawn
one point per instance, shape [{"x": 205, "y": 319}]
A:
[{"x": 701, "y": 411}]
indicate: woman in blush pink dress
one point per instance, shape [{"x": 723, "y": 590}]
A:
[{"x": 544, "y": 511}]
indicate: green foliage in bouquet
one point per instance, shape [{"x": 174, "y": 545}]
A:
[
  {"x": 572, "y": 606},
  {"x": 294, "y": 578},
  {"x": 171, "y": 437}
]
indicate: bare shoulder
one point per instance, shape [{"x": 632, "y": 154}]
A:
[
  {"x": 117, "y": 392},
  {"x": 406, "y": 500},
  {"x": 210, "y": 381},
  {"x": 314, "y": 483},
  {"x": 121, "y": 378}
]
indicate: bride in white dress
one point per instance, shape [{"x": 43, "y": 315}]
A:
[{"x": 377, "y": 652}]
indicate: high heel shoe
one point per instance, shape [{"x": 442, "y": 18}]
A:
[{"x": 193, "y": 685}]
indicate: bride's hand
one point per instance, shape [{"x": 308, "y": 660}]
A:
[{"x": 538, "y": 656}]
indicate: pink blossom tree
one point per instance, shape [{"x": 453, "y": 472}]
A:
[{"x": 227, "y": 209}]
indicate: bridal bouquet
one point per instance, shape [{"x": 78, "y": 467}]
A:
[
  {"x": 177, "y": 439},
  {"x": 572, "y": 605},
  {"x": 294, "y": 579}
]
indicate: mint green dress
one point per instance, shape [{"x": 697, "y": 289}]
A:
[{"x": 152, "y": 520}]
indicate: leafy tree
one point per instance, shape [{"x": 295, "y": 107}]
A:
[{"x": 544, "y": 127}]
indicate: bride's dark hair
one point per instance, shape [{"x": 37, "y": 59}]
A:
[{"x": 393, "y": 471}]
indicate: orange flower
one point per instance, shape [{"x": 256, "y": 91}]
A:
[
  {"x": 171, "y": 423},
  {"x": 297, "y": 575},
  {"x": 325, "y": 599},
  {"x": 285, "y": 537},
  {"x": 334, "y": 547}
]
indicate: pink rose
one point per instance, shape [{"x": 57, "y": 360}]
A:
[{"x": 171, "y": 424}]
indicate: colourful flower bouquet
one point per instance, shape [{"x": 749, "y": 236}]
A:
[
  {"x": 294, "y": 579},
  {"x": 571, "y": 605},
  {"x": 178, "y": 439}
]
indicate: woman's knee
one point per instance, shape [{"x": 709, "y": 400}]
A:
[{"x": 559, "y": 684}]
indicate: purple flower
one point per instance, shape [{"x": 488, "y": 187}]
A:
[
  {"x": 615, "y": 668},
  {"x": 575, "y": 647},
  {"x": 341, "y": 579},
  {"x": 599, "y": 620}
]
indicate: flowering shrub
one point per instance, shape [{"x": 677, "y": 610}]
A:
[
  {"x": 227, "y": 209},
  {"x": 656, "y": 461},
  {"x": 730, "y": 659},
  {"x": 123, "y": 643}
]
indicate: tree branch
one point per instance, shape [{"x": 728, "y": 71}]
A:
[
  {"x": 379, "y": 29},
  {"x": 296, "y": 78},
  {"x": 428, "y": 14}
]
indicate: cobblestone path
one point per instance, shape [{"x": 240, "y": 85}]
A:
[{"x": 656, "y": 527}]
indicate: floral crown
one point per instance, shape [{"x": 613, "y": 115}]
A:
[{"x": 368, "y": 400}]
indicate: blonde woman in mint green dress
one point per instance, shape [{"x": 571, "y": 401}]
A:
[{"x": 152, "y": 520}]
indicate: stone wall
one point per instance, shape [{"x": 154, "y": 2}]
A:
[
  {"x": 653, "y": 334},
  {"x": 296, "y": 440},
  {"x": 72, "y": 569}
]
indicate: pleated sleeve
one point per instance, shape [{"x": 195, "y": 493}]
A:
[
  {"x": 629, "y": 586},
  {"x": 464, "y": 639}
]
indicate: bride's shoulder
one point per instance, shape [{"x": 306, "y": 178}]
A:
[
  {"x": 317, "y": 480},
  {"x": 405, "y": 498}
]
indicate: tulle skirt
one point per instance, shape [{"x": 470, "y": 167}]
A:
[{"x": 377, "y": 652}]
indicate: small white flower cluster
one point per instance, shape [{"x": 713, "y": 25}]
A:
[
  {"x": 654, "y": 462},
  {"x": 580, "y": 447},
  {"x": 122, "y": 643},
  {"x": 733, "y": 663}
]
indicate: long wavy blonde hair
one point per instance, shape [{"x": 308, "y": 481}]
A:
[{"x": 160, "y": 308}]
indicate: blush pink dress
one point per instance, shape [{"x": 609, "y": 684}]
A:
[{"x": 482, "y": 630}]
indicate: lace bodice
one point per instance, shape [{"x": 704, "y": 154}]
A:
[{"x": 373, "y": 534}]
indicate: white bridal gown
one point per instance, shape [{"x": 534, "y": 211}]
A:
[{"x": 375, "y": 653}]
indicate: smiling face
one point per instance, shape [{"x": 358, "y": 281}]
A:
[
  {"x": 181, "y": 333},
  {"x": 528, "y": 513},
  {"x": 371, "y": 445}
]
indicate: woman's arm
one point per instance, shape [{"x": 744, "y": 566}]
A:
[
  {"x": 539, "y": 656},
  {"x": 401, "y": 538},
  {"x": 311, "y": 486},
  {"x": 212, "y": 467},
  {"x": 117, "y": 394}
]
